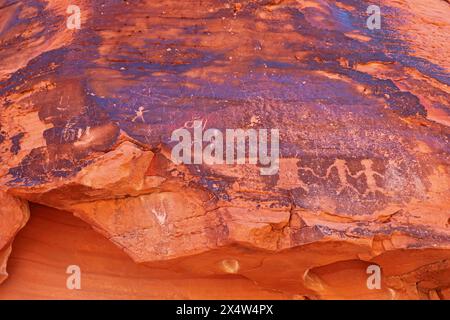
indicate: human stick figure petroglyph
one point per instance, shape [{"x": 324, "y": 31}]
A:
[
  {"x": 344, "y": 172},
  {"x": 370, "y": 174},
  {"x": 139, "y": 114}
]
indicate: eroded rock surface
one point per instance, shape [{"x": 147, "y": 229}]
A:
[
  {"x": 86, "y": 119},
  {"x": 14, "y": 214}
]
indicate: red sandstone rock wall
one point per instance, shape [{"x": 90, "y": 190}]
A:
[
  {"x": 14, "y": 214},
  {"x": 86, "y": 118}
]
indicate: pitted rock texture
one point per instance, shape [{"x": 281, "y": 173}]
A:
[{"x": 86, "y": 118}]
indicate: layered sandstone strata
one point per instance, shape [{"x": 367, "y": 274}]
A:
[{"x": 364, "y": 173}]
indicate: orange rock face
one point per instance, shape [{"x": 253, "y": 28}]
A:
[
  {"x": 14, "y": 214},
  {"x": 87, "y": 118},
  {"x": 53, "y": 240}
]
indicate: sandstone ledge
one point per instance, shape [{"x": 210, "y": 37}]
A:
[{"x": 364, "y": 172}]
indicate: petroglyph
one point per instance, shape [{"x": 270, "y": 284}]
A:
[
  {"x": 196, "y": 123},
  {"x": 84, "y": 137},
  {"x": 340, "y": 166},
  {"x": 160, "y": 213},
  {"x": 312, "y": 172},
  {"x": 343, "y": 171},
  {"x": 288, "y": 178},
  {"x": 140, "y": 114},
  {"x": 70, "y": 132},
  {"x": 370, "y": 174}
]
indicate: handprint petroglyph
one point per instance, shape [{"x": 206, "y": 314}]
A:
[{"x": 160, "y": 213}]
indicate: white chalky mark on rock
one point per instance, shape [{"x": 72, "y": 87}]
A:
[
  {"x": 84, "y": 138},
  {"x": 312, "y": 281},
  {"x": 230, "y": 266},
  {"x": 69, "y": 132},
  {"x": 160, "y": 214},
  {"x": 393, "y": 294}
]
